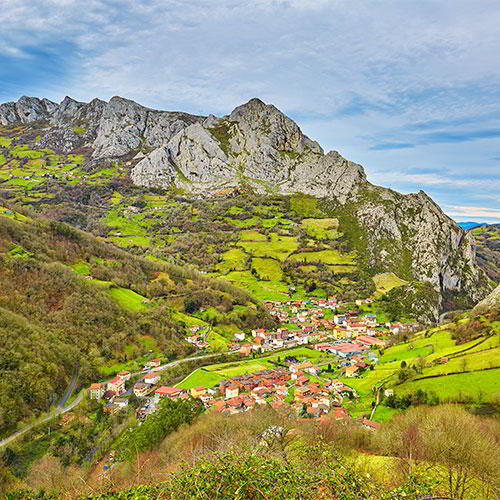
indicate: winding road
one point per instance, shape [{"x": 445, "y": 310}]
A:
[{"x": 61, "y": 408}]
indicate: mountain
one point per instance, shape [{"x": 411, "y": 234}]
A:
[
  {"x": 470, "y": 225},
  {"x": 255, "y": 149}
]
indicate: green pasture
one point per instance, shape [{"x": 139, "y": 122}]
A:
[{"x": 128, "y": 299}]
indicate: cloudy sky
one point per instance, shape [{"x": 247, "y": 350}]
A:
[{"x": 408, "y": 88}]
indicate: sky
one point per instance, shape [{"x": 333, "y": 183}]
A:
[{"x": 408, "y": 88}]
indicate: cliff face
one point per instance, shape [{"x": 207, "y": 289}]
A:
[{"x": 257, "y": 147}]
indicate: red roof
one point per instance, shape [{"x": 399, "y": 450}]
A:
[
  {"x": 117, "y": 380},
  {"x": 168, "y": 391}
]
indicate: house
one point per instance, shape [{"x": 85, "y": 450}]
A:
[
  {"x": 121, "y": 402},
  {"x": 388, "y": 392},
  {"x": 232, "y": 391},
  {"x": 351, "y": 371},
  {"x": 169, "y": 392},
  {"x": 152, "y": 378},
  {"x": 97, "y": 391},
  {"x": 154, "y": 363},
  {"x": 371, "y": 341},
  {"x": 125, "y": 375},
  {"x": 302, "y": 380},
  {"x": 239, "y": 336},
  {"x": 246, "y": 349},
  {"x": 141, "y": 390},
  {"x": 196, "y": 392},
  {"x": 117, "y": 385}
]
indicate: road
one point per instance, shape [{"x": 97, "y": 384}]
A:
[
  {"x": 58, "y": 411},
  {"x": 63, "y": 409}
]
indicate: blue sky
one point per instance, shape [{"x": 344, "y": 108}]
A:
[{"x": 410, "y": 89}]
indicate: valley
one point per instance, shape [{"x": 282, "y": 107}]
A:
[{"x": 164, "y": 271}]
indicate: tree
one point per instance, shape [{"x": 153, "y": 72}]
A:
[
  {"x": 403, "y": 364},
  {"x": 191, "y": 305}
]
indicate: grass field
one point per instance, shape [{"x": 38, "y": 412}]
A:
[
  {"x": 267, "y": 269},
  {"x": 321, "y": 229},
  {"x": 280, "y": 247},
  {"x": 324, "y": 256},
  {"x": 484, "y": 384},
  {"x": 385, "y": 282},
  {"x": 128, "y": 299},
  {"x": 234, "y": 260}
]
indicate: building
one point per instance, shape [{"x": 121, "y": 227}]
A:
[
  {"x": 351, "y": 371},
  {"x": 141, "y": 390},
  {"x": 246, "y": 349},
  {"x": 97, "y": 391},
  {"x": 232, "y": 391},
  {"x": 371, "y": 341},
  {"x": 125, "y": 375},
  {"x": 117, "y": 385},
  {"x": 152, "y": 378},
  {"x": 169, "y": 392},
  {"x": 154, "y": 363},
  {"x": 196, "y": 392}
]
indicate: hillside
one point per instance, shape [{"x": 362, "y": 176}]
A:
[
  {"x": 72, "y": 304},
  {"x": 487, "y": 239},
  {"x": 121, "y": 170}
]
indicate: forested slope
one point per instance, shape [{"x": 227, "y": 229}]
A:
[{"x": 68, "y": 299}]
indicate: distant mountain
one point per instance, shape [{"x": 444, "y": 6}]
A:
[
  {"x": 254, "y": 149},
  {"x": 471, "y": 225}
]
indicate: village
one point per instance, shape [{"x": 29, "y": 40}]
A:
[{"x": 302, "y": 385}]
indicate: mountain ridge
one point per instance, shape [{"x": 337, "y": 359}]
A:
[{"x": 258, "y": 148}]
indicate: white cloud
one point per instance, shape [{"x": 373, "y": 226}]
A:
[{"x": 471, "y": 212}]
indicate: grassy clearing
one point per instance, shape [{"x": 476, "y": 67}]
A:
[
  {"x": 324, "y": 256},
  {"x": 472, "y": 361},
  {"x": 385, "y": 282},
  {"x": 305, "y": 206},
  {"x": 187, "y": 320},
  {"x": 200, "y": 377},
  {"x": 128, "y": 299},
  {"x": 252, "y": 235},
  {"x": 263, "y": 290},
  {"x": 321, "y": 229},
  {"x": 475, "y": 385},
  {"x": 280, "y": 247},
  {"x": 11, "y": 214},
  {"x": 234, "y": 260},
  {"x": 267, "y": 269},
  {"x": 82, "y": 268},
  {"x": 5, "y": 142}
]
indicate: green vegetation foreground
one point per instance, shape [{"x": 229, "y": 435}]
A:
[{"x": 442, "y": 451}]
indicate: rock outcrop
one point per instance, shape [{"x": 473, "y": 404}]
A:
[
  {"x": 490, "y": 303},
  {"x": 256, "y": 146}
]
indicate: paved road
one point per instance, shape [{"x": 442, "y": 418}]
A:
[
  {"x": 70, "y": 389},
  {"x": 62, "y": 409},
  {"x": 59, "y": 411}
]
